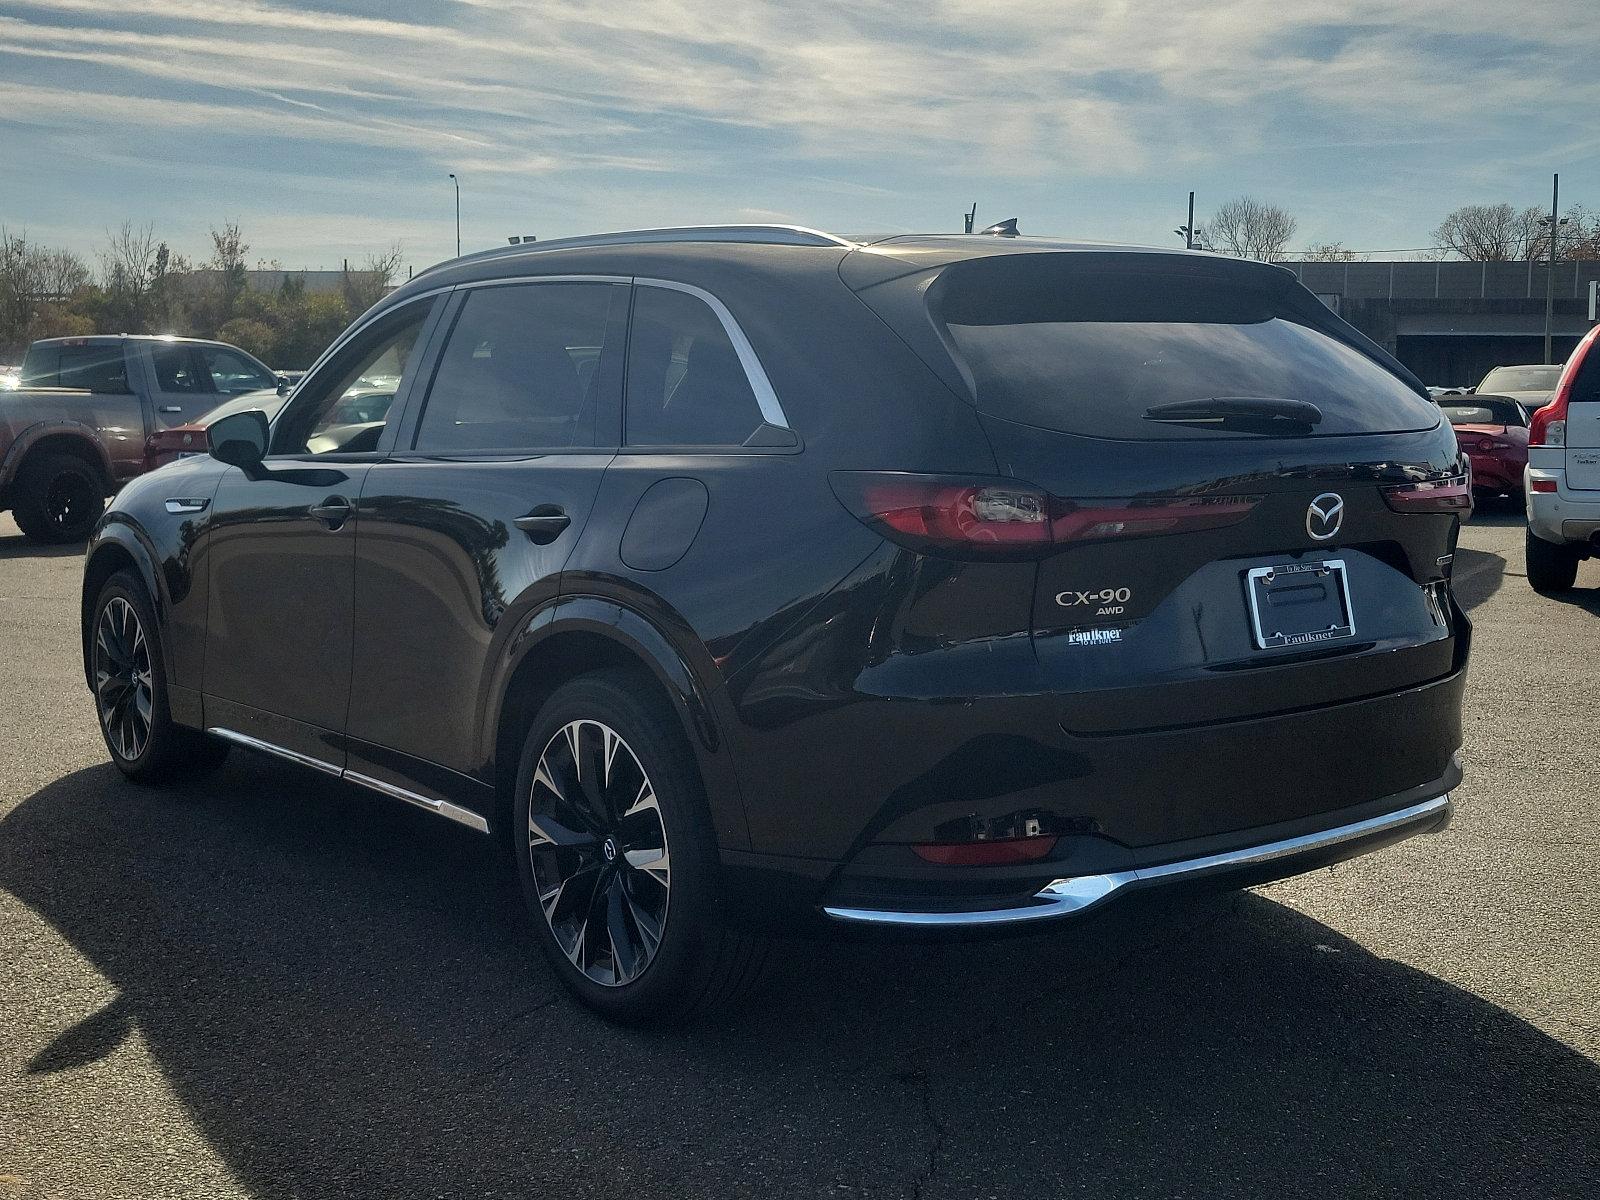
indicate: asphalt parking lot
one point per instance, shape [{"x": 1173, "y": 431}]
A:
[{"x": 272, "y": 985}]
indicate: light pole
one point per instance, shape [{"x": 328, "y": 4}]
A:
[
  {"x": 1555, "y": 224},
  {"x": 1186, "y": 232},
  {"x": 457, "y": 182}
]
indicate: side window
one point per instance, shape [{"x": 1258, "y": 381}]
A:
[
  {"x": 521, "y": 369},
  {"x": 233, "y": 373},
  {"x": 95, "y": 368},
  {"x": 343, "y": 407},
  {"x": 686, "y": 385},
  {"x": 178, "y": 368}
]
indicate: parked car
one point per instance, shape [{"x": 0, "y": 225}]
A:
[
  {"x": 1531, "y": 386},
  {"x": 360, "y": 411},
  {"x": 75, "y": 430},
  {"x": 1493, "y": 432},
  {"x": 1563, "y": 475},
  {"x": 750, "y": 579}
]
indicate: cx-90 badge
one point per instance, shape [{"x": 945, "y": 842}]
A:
[{"x": 1325, "y": 516}]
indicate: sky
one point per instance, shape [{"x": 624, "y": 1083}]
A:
[{"x": 328, "y": 129}]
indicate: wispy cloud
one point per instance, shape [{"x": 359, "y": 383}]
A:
[{"x": 776, "y": 106}]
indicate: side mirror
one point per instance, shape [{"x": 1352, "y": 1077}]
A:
[
  {"x": 239, "y": 440},
  {"x": 283, "y": 384}
]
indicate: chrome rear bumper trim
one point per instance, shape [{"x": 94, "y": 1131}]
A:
[
  {"x": 1066, "y": 897},
  {"x": 443, "y": 808}
]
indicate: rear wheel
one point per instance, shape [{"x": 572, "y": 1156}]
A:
[
  {"x": 130, "y": 691},
  {"x": 1552, "y": 567},
  {"x": 59, "y": 497},
  {"x": 617, "y": 859}
]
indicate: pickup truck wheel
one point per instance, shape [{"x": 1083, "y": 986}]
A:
[
  {"x": 58, "y": 498},
  {"x": 1551, "y": 568}
]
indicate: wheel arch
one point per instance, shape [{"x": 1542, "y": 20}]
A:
[
  {"x": 57, "y": 437},
  {"x": 575, "y": 635},
  {"x": 117, "y": 547}
]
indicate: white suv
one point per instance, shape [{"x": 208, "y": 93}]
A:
[{"x": 1562, "y": 479}]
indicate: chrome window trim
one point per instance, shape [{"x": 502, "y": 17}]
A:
[
  {"x": 443, "y": 808},
  {"x": 1078, "y": 893},
  {"x": 766, "y": 398}
]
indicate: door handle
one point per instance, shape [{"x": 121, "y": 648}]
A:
[
  {"x": 332, "y": 512},
  {"x": 544, "y": 524},
  {"x": 171, "y": 408}
]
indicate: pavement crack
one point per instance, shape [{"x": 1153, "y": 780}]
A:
[{"x": 917, "y": 1079}]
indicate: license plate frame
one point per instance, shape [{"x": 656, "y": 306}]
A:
[{"x": 1263, "y": 585}]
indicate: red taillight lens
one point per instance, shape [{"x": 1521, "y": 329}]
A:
[
  {"x": 1005, "y": 518},
  {"x": 977, "y": 517},
  {"x": 1548, "y": 426},
  {"x": 1436, "y": 496},
  {"x": 996, "y": 853},
  {"x": 1544, "y": 486}
]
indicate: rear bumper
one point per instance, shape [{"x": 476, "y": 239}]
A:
[
  {"x": 1255, "y": 863},
  {"x": 1563, "y": 515}
]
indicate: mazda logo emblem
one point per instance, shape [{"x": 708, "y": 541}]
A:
[{"x": 1325, "y": 516}]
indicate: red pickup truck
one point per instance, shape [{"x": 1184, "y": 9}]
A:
[{"x": 76, "y": 428}]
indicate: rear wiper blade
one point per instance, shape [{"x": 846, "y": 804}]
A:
[{"x": 1218, "y": 410}]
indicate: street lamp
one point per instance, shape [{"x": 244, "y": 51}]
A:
[{"x": 457, "y": 182}]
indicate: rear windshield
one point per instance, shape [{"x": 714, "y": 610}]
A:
[
  {"x": 1521, "y": 379},
  {"x": 1496, "y": 412},
  {"x": 1093, "y": 352}
]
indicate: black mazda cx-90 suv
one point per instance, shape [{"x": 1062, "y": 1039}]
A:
[{"x": 751, "y": 579}]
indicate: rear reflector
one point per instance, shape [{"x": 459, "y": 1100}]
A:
[
  {"x": 983, "y": 517},
  {"x": 1436, "y": 496},
  {"x": 1544, "y": 485},
  {"x": 996, "y": 853}
]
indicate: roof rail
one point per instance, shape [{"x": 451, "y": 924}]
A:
[{"x": 765, "y": 235}]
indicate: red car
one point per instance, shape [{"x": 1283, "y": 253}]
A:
[{"x": 1493, "y": 430}]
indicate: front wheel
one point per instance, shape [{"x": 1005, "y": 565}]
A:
[
  {"x": 617, "y": 859},
  {"x": 1552, "y": 567},
  {"x": 130, "y": 691}
]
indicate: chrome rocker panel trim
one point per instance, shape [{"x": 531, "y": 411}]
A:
[
  {"x": 443, "y": 808},
  {"x": 1067, "y": 897}
]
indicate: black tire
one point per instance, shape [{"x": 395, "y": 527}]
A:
[
  {"x": 1552, "y": 568},
  {"x": 57, "y": 498},
  {"x": 589, "y": 849},
  {"x": 130, "y": 691}
]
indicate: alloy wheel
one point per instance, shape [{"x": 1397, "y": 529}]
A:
[
  {"x": 598, "y": 848},
  {"x": 122, "y": 678}
]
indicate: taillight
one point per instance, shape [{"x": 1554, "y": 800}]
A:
[
  {"x": 982, "y": 517},
  {"x": 1548, "y": 426},
  {"x": 1544, "y": 486},
  {"x": 1450, "y": 495},
  {"x": 1004, "y": 518}
]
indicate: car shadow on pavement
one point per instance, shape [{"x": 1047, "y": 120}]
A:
[
  {"x": 17, "y": 546},
  {"x": 340, "y": 992}
]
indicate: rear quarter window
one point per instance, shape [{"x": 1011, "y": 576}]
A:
[{"x": 1090, "y": 352}]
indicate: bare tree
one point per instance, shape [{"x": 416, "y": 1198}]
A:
[
  {"x": 1331, "y": 252},
  {"x": 127, "y": 267},
  {"x": 1492, "y": 233},
  {"x": 1249, "y": 228},
  {"x": 365, "y": 287}
]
